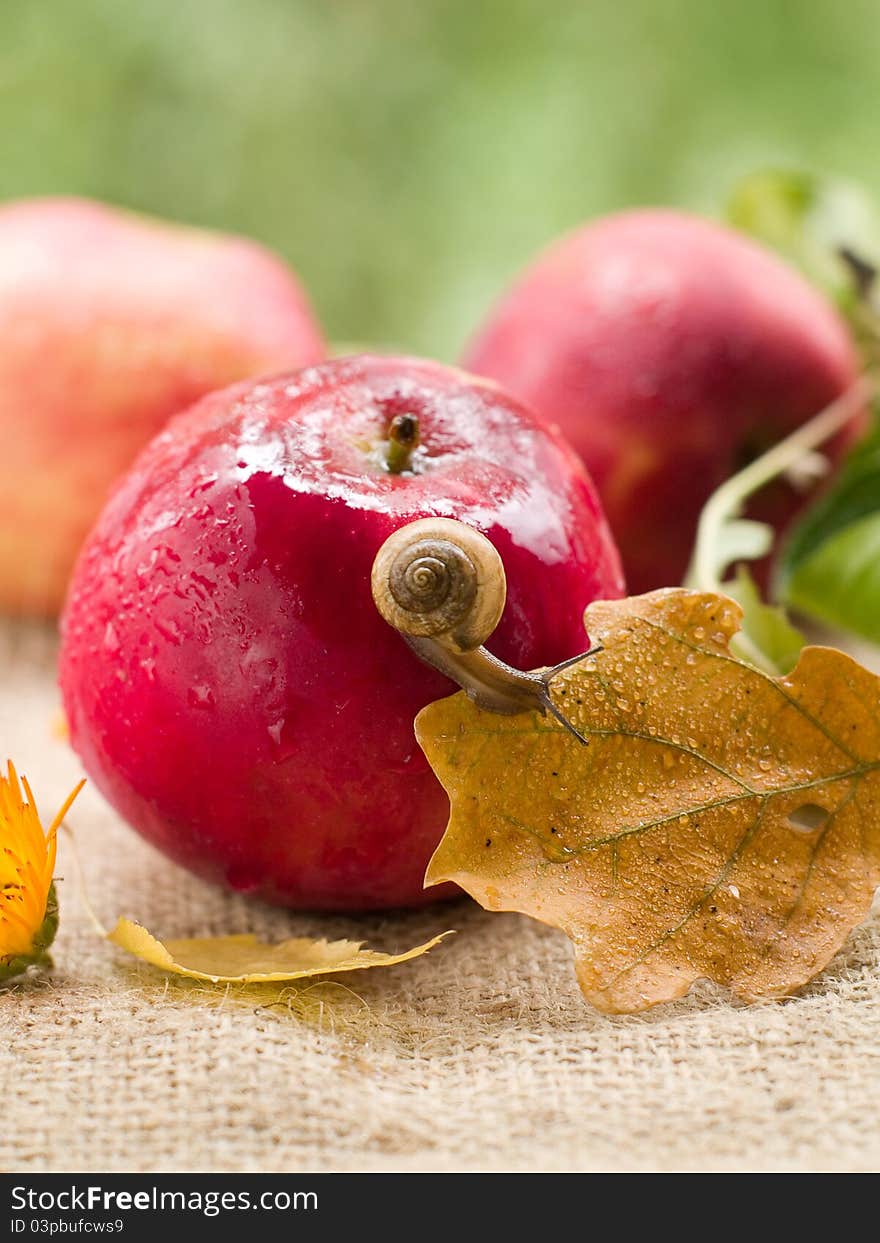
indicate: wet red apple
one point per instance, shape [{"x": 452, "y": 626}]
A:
[
  {"x": 229, "y": 684},
  {"x": 670, "y": 351},
  {"x": 109, "y": 324}
]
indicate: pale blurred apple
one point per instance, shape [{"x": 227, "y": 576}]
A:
[{"x": 109, "y": 324}]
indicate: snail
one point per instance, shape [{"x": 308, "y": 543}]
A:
[{"x": 441, "y": 584}]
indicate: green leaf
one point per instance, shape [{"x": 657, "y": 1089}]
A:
[
  {"x": 766, "y": 625},
  {"x": 809, "y": 219},
  {"x": 854, "y": 495},
  {"x": 831, "y": 563},
  {"x": 839, "y": 581}
]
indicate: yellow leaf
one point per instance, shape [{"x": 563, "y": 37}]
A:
[
  {"x": 714, "y": 821},
  {"x": 245, "y": 960}
]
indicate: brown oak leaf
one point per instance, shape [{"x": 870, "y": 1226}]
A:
[{"x": 712, "y": 821}]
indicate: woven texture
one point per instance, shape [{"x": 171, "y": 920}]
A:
[{"x": 480, "y": 1056}]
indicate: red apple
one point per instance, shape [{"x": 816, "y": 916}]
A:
[
  {"x": 109, "y": 324},
  {"x": 669, "y": 351},
  {"x": 229, "y": 684}
]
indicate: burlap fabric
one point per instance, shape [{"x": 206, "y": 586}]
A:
[{"x": 481, "y": 1056}]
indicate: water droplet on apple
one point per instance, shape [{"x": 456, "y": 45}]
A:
[{"x": 200, "y": 697}]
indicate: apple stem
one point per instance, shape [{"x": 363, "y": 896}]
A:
[{"x": 403, "y": 439}]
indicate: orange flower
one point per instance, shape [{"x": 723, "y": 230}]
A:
[{"x": 28, "y": 908}]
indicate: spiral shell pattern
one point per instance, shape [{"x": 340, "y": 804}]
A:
[{"x": 438, "y": 578}]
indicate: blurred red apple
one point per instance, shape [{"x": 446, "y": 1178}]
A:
[
  {"x": 229, "y": 684},
  {"x": 109, "y": 324},
  {"x": 670, "y": 351}
]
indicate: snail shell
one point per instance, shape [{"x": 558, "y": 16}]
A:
[{"x": 438, "y": 578}]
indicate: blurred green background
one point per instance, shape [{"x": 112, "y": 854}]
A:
[{"x": 408, "y": 157}]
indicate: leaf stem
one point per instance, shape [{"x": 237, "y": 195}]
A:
[
  {"x": 713, "y": 555},
  {"x": 727, "y": 501}
]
